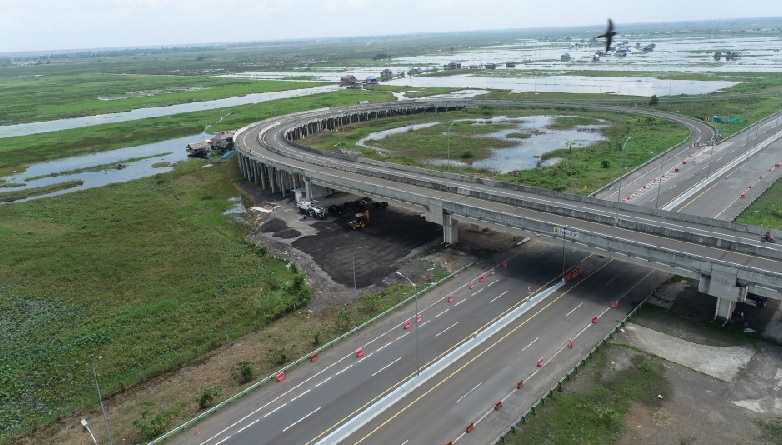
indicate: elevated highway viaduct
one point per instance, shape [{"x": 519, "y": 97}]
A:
[{"x": 727, "y": 258}]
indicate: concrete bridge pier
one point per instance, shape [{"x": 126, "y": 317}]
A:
[
  {"x": 723, "y": 284},
  {"x": 436, "y": 214}
]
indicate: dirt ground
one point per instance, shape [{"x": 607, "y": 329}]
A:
[
  {"x": 333, "y": 255},
  {"x": 719, "y": 394}
]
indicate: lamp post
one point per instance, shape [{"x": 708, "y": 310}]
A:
[
  {"x": 564, "y": 229},
  {"x": 619, "y": 191},
  {"x": 100, "y": 398},
  {"x": 660, "y": 185},
  {"x": 417, "y": 356}
]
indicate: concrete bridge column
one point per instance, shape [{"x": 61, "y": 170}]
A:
[
  {"x": 450, "y": 229},
  {"x": 308, "y": 188},
  {"x": 436, "y": 214},
  {"x": 262, "y": 174},
  {"x": 723, "y": 284},
  {"x": 240, "y": 160}
]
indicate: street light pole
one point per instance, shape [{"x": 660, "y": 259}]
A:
[
  {"x": 100, "y": 398},
  {"x": 711, "y": 156},
  {"x": 417, "y": 356},
  {"x": 660, "y": 185},
  {"x": 619, "y": 191},
  {"x": 564, "y": 229}
]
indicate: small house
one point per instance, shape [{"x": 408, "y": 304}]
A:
[
  {"x": 453, "y": 66},
  {"x": 386, "y": 74},
  {"x": 491, "y": 66}
]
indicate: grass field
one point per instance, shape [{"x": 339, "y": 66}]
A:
[
  {"x": 151, "y": 277},
  {"x": 593, "y": 412}
]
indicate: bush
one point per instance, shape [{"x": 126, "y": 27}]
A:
[
  {"x": 278, "y": 355},
  {"x": 605, "y": 163},
  {"x": 242, "y": 372},
  {"x": 654, "y": 100},
  {"x": 151, "y": 427},
  {"x": 207, "y": 397},
  {"x": 316, "y": 337}
]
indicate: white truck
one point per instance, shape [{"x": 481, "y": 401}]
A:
[{"x": 312, "y": 208}]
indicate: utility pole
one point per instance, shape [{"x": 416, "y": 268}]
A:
[
  {"x": 619, "y": 191},
  {"x": 417, "y": 356}
]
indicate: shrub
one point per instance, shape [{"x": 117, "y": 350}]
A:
[
  {"x": 151, "y": 427},
  {"x": 242, "y": 372},
  {"x": 207, "y": 397}
]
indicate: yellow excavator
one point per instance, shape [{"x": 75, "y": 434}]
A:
[{"x": 361, "y": 221}]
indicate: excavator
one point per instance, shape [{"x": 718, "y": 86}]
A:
[{"x": 361, "y": 221}]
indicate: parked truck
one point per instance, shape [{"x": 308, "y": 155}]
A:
[{"x": 312, "y": 208}]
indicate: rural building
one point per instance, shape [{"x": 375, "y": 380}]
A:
[
  {"x": 453, "y": 66},
  {"x": 386, "y": 74},
  {"x": 491, "y": 66}
]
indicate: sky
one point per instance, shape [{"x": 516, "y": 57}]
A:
[{"x": 39, "y": 25}]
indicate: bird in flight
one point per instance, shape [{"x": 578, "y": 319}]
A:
[{"x": 610, "y": 33}]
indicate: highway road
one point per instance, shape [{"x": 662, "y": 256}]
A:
[
  {"x": 317, "y": 398},
  {"x": 715, "y": 177},
  {"x": 316, "y": 401}
]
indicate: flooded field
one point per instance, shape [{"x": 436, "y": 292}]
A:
[
  {"x": 532, "y": 137},
  {"x": 115, "y": 166}
]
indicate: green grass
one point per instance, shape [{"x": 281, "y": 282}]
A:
[
  {"x": 581, "y": 171},
  {"x": 594, "y": 413},
  {"x": 766, "y": 211},
  {"x": 151, "y": 277},
  {"x": 36, "y": 191}
]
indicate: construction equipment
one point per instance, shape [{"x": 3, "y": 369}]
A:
[
  {"x": 361, "y": 221},
  {"x": 312, "y": 208}
]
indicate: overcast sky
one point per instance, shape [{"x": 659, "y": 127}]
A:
[{"x": 31, "y": 25}]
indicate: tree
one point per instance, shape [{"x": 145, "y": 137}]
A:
[{"x": 654, "y": 100}]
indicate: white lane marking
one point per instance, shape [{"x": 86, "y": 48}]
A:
[
  {"x": 468, "y": 392},
  {"x": 298, "y": 421},
  {"x": 441, "y": 313},
  {"x": 449, "y": 327},
  {"x": 579, "y": 305},
  {"x": 384, "y": 367},
  {"x": 498, "y": 296},
  {"x": 459, "y": 302},
  {"x": 275, "y": 410},
  {"x": 305, "y": 392},
  {"x": 342, "y": 370},
  {"x": 323, "y": 382}
]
